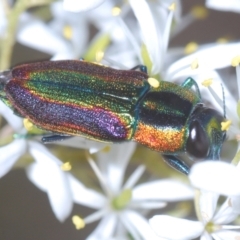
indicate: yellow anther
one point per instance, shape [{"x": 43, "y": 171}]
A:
[
  {"x": 78, "y": 222},
  {"x": 67, "y": 32},
  {"x": 106, "y": 149},
  {"x": 153, "y": 82},
  {"x": 31, "y": 128},
  {"x": 116, "y": 11},
  {"x": 27, "y": 124},
  {"x": 207, "y": 82},
  {"x": 199, "y": 12},
  {"x": 66, "y": 166},
  {"x": 226, "y": 125},
  {"x": 99, "y": 56},
  {"x": 236, "y": 61},
  {"x": 172, "y": 7},
  {"x": 194, "y": 64},
  {"x": 191, "y": 47}
]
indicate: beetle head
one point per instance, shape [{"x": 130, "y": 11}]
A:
[{"x": 205, "y": 137}]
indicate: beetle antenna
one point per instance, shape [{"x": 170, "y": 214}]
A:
[{"x": 224, "y": 104}]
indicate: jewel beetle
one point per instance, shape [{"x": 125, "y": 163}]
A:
[{"x": 79, "y": 98}]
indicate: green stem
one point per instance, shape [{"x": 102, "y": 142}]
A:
[
  {"x": 8, "y": 40},
  {"x": 236, "y": 159}
]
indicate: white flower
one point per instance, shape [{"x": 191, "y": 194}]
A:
[
  {"x": 124, "y": 203},
  {"x": 64, "y": 37},
  {"x": 47, "y": 173},
  {"x": 13, "y": 151},
  {"x": 213, "y": 223},
  {"x": 230, "y": 5}
]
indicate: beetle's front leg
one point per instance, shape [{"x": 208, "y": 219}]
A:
[
  {"x": 55, "y": 138},
  {"x": 142, "y": 68},
  {"x": 176, "y": 163},
  {"x": 189, "y": 82}
]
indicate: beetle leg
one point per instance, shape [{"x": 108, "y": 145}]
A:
[
  {"x": 55, "y": 138},
  {"x": 142, "y": 68},
  {"x": 176, "y": 163},
  {"x": 189, "y": 82}
]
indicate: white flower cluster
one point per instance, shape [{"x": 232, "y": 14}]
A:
[{"x": 138, "y": 32}]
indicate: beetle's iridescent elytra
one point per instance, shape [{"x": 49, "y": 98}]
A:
[{"x": 80, "y": 98}]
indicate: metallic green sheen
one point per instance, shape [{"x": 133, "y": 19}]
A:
[{"x": 98, "y": 92}]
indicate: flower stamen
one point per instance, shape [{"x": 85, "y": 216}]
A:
[
  {"x": 153, "y": 82},
  {"x": 207, "y": 82},
  {"x": 190, "y": 48},
  {"x": 78, "y": 222},
  {"x": 66, "y": 166},
  {"x": 172, "y": 7},
  {"x": 199, "y": 12},
  {"x": 194, "y": 64},
  {"x": 226, "y": 125},
  {"x": 116, "y": 11}
]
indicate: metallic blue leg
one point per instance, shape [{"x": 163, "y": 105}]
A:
[
  {"x": 142, "y": 68},
  {"x": 176, "y": 163},
  {"x": 189, "y": 82},
  {"x": 55, "y": 138}
]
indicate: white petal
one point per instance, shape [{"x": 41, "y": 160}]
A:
[
  {"x": 54, "y": 181},
  {"x": 41, "y": 154},
  {"x": 208, "y": 203},
  {"x": 105, "y": 228},
  {"x": 81, "y": 142},
  {"x": 228, "y": 235},
  {"x": 175, "y": 228},
  {"x": 208, "y": 58},
  {"x": 147, "y": 204},
  {"x": 85, "y": 196},
  {"x": 140, "y": 224},
  {"x": 78, "y": 5},
  {"x": 166, "y": 190},
  {"x": 35, "y": 175},
  {"x": 10, "y": 154},
  {"x": 39, "y": 36},
  {"x": 149, "y": 31},
  {"x": 63, "y": 56},
  {"x": 135, "y": 176},
  {"x": 48, "y": 176},
  {"x": 230, "y": 5},
  {"x": 206, "y": 236},
  {"x": 113, "y": 163},
  {"x": 235, "y": 202},
  {"x": 97, "y": 215},
  {"x": 13, "y": 120},
  {"x": 60, "y": 196},
  {"x": 227, "y": 212},
  {"x": 209, "y": 176}
]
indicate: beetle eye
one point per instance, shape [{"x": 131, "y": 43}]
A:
[{"x": 198, "y": 142}]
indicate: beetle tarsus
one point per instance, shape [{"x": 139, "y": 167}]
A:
[
  {"x": 54, "y": 138},
  {"x": 176, "y": 163}
]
